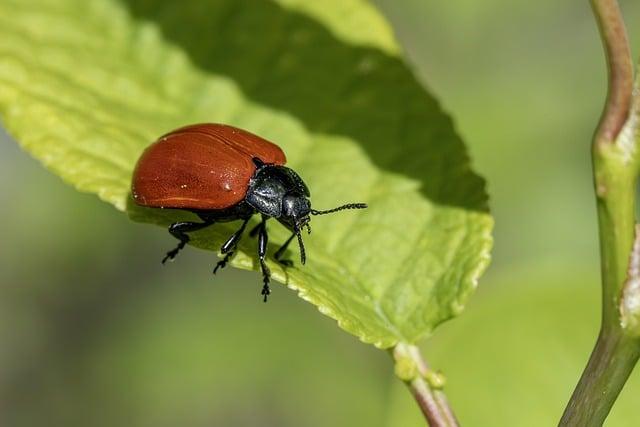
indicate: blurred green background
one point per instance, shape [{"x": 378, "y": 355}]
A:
[{"x": 94, "y": 332}]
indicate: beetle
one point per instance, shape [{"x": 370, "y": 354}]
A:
[{"x": 223, "y": 173}]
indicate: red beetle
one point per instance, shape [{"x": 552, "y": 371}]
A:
[{"x": 222, "y": 173}]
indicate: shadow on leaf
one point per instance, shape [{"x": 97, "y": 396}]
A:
[{"x": 289, "y": 61}]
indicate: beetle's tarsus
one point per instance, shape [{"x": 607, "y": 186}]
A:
[
  {"x": 229, "y": 247},
  {"x": 171, "y": 255},
  {"x": 265, "y": 291},
  {"x": 223, "y": 262},
  {"x": 266, "y": 278},
  {"x": 179, "y": 230}
]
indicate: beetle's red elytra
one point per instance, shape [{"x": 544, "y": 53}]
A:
[
  {"x": 200, "y": 167},
  {"x": 223, "y": 173}
]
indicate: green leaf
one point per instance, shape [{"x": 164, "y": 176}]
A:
[{"x": 86, "y": 85}]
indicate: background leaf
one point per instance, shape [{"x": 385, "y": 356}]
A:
[{"x": 84, "y": 87}]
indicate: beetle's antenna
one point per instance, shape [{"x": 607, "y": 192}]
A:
[
  {"x": 296, "y": 229},
  {"x": 303, "y": 255},
  {"x": 340, "y": 208}
]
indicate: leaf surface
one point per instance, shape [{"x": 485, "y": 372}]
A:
[{"x": 85, "y": 86}]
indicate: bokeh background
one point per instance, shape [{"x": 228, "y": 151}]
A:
[{"x": 93, "y": 332}]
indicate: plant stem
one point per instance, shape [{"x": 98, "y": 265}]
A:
[
  {"x": 611, "y": 363},
  {"x": 414, "y": 371},
  {"x": 615, "y": 165}
]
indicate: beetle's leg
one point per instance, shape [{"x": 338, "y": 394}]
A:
[
  {"x": 263, "y": 239},
  {"x": 280, "y": 252},
  {"x": 230, "y": 246},
  {"x": 254, "y": 231},
  {"x": 179, "y": 230}
]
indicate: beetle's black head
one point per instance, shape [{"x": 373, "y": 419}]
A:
[
  {"x": 279, "y": 192},
  {"x": 295, "y": 211}
]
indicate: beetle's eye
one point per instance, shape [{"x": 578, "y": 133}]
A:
[
  {"x": 296, "y": 206},
  {"x": 288, "y": 206},
  {"x": 302, "y": 207}
]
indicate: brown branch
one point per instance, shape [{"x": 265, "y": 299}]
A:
[{"x": 620, "y": 70}]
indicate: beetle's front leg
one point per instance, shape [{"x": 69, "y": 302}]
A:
[
  {"x": 255, "y": 230},
  {"x": 263, "y": 239}
]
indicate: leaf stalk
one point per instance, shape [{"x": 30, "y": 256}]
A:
[{"x": 424, "y": 384}]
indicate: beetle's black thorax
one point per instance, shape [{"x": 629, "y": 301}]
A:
[{"x": 278, "y": 192}]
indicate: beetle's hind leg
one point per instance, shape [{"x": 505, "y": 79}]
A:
[
  {"x": 179, "y": 230},
  {"x": 230, "y": 246},
  {"x": 263, "y": 240}
]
